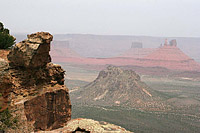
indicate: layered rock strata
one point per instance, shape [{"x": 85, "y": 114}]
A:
[{"x": 33, "y": 87}]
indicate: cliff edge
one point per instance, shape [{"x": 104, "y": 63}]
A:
[{"x": 32, "y": 87}]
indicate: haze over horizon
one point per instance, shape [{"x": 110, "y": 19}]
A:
[{"x": 166, "y": 18}]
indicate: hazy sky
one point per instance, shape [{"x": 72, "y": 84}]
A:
[{"x": 177, "y": 18}]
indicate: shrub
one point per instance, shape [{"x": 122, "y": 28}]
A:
[
  {"x": 6, "y": 40},
  {"x": 7, "y": 120}
]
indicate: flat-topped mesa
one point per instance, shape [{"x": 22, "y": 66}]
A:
[
  {"x": 62, "y": 44},
  {"x": 32, "y": 52}
]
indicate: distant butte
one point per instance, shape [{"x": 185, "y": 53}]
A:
[{"x": 171, "y": 57}]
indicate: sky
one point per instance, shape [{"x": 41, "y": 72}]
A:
[{"x": 165, "y": 18}]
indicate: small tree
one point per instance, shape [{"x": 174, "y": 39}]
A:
[{"x": 6, "y": 40}]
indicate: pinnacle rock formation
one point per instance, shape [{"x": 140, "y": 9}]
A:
[
  {"x": 33, "y": 87},
  {"x": 115, "y": 86}
]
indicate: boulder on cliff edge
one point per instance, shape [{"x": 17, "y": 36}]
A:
[{"x": 32, "y": 52}]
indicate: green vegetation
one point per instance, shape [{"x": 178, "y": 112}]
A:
[
  {"x": 6, "y": 40},
  {"x": 183, "y": 95},
  {"x": 7, "y": 120},
  {"x": 71, "y": 84}
]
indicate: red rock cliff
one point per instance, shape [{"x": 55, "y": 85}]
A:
[{"x": 33, "y": 87}]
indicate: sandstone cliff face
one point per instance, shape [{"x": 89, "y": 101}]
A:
[{"x": 33, "y": 87}]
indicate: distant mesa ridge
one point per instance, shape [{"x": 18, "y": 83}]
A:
[
  {"x": 166, "y": 56},
  {"x": 137, "y": 45},
  {"x": 137, "y": 51},
  {"x": 57, "y": 44},
  {"x": 61, "y": 49}
]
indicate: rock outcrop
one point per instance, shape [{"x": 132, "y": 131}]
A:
[
  {"x": 137, "y": 45},
  {"x": 32, "y": 52},
  {"x": 118, "y": 87},
  {"x": 32, "y": 87},
  {"x": 89, "y": 126}
]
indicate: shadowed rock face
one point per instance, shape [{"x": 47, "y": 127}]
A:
[
  {"x": 34, "y": 87},
  {"x": 53, "y": 112}
]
